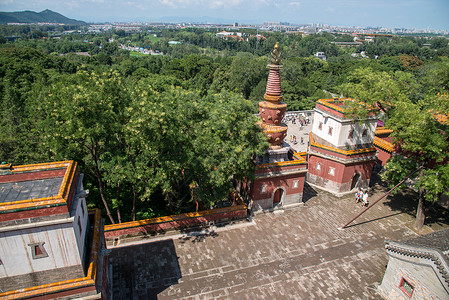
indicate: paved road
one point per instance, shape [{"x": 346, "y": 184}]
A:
[{"x": 293, "y": 254}]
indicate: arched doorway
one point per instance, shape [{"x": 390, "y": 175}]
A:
[
  {"x": 355, "y": 180},
  {"x": 277, "y": 197}
]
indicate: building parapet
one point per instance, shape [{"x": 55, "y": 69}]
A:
[
  {"x": 61, "y": 198},
  {"x": 182, "y": 221}
]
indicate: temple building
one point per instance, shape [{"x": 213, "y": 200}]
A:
[
  {"x": 280, "y": 173},
  {"x": 341, "y": 153},
  {"x": 51, "y": 245}
]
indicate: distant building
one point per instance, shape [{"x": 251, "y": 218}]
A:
[
  {"x": 51, "y": 246},
  {"x": 320, "y": 55},
  {"x": 224, "y": 33},
  {"x": 417, "y": 268}
]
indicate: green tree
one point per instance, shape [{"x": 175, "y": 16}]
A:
[{"x": 84, "y": 119}]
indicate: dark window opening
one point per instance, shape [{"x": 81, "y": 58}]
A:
[
  {"x": 82, "y": 207},
  {"x": 79, "y": 224},
  {"x": 406, "y": 287},
  {"x": 365, "y": 132},
  {"x": 38, "y": 250},
  {"x": 320, "y": 126}
]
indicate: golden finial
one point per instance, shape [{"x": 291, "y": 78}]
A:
[{"x": 275, "y": 54}]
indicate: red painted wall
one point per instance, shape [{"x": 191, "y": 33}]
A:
[
  {"x": 273, "y": 183},
  {"x": 383, "y": 156},
  {"x": 33, "y": 175},
  {"x": 24, "y": 214},
  {"x": 329, "y": 110},
  {"x": 179, "y": 223},
  {"x": 343, "y": 173}
]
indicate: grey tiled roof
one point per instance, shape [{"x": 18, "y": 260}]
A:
[
  {"x": 32, "y": 189},
  {"x": 438, "y": 240}
]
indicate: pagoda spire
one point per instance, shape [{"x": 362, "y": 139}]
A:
[{"x": 272, "y": 110}]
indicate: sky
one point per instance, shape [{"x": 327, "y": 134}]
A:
[{"x": 419, "y": 14}]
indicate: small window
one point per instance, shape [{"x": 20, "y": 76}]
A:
[
  {"x": 365, "y": 132},
  {"x": 406, "y": 287},
  {"x": 331, "y": 171},
  {"x": 320, "y": 126},
  {"x": 351, "y": 133},
  {"x": 38, "y": 250},
  {"x": 79, "y": 224},
  {"x": 263, "y": 190},
  {"x": 295, "y": 184},
  {"x": 82, "y": 206},
  {"x": 330, "y": 130},
  {"x": 1, "y": 263},
  {"x": 318, "y": 167}
]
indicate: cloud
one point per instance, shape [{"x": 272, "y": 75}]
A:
[{"x": 295, "y": 3}]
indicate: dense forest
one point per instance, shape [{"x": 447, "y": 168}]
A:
[{"x": 164, "y": 134}]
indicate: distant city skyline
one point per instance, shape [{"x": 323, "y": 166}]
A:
[{"x": 419, "y": 14}]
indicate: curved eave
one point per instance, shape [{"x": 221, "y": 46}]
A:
[{"x": 384, "y": 145}]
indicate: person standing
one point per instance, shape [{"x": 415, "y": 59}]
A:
[
  {"x": 358, "y": 195},
  {"x": 365, "y": 198}
]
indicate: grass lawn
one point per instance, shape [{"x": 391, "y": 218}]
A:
[
  {"x": 135, "y": 53},
  {"x": 153, "y": 39}
]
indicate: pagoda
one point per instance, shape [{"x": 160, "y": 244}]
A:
[{"x": 280, "y": 173}]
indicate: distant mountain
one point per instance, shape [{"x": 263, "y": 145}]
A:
[{"x": 45, "y": 16}]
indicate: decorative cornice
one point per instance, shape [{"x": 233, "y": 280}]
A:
[
  {"x": 267, "y": 128},
  {"x": 340, "y": 151},
  {"x": 383, "y": 130},
  {"x": 299, "y": 161},
  {"x": 271, "y": 105},
  {"x": 387, "y": 146},
  {"x": 275, "y": 98}
]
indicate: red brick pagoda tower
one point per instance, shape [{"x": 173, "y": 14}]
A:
[{"x": 280, "y": 173}]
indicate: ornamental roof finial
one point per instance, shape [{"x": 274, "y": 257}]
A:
[{"x": 275, "y": 54}]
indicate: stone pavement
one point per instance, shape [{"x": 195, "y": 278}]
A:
[
  {"x": 294, "y": 254},
  {"x": 299, "y": 131}
]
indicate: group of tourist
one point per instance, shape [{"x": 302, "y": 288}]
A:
[
  {"x": 362, "y": 196},
  {"x": 293, "y": 140}
]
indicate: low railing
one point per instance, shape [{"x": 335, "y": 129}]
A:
[{"x": 151, "y": 227}]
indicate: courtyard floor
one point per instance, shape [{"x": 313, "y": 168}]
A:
[{"x": 298, "y": 253}]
